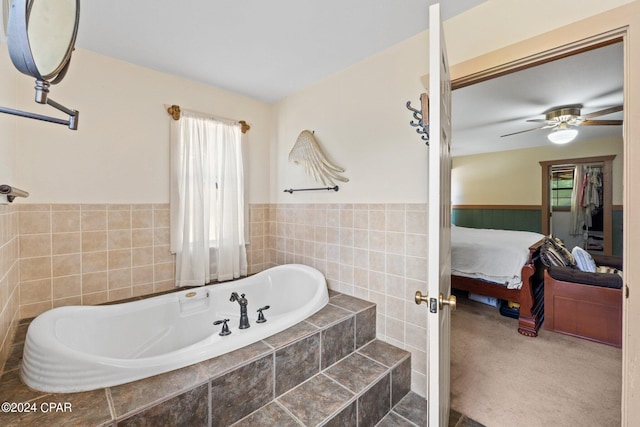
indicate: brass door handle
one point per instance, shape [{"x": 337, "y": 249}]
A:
[
  {"x": 451, "y": 302},
  {"x": 421, "y": 298}
]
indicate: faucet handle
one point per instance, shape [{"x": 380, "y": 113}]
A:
[
  {"x": 261, "y": 318},
  {"x": 225, "y": 329}
]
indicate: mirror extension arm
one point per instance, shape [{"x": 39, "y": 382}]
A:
[{"x": 42, "y": 89}]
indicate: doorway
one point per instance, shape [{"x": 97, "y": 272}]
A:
[
  {"x": 491, "y": 167},
  {"x": 577, "y": 203}
]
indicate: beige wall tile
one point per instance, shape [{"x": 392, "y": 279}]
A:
[
  {"x": 94, "y": 220},
  {"x": 66, "y": 243},
  {"x": 68, "y": 286},
  {"x": 119, "y": 239},
  {"x": 35, "y": 268},
  {"x": 34, "y": 291},
  {"x": 35, "y": 245},
  {"x": 28, "y": 311},
  {"x": 162, "y": 272},
  {"x": 162, "y": 254},
  {"x": 65, "y": 302},
  {"x": 142, "y": 275},
  {"x": 93, "y": 241},
  {"x": 161, "y": 236},
  {"x": 142, "y": 237},
  {"x": 67, "y": 265},
  {"x": 142, "y": 218},
  {"x": 65, "y": 221},
  {"x": 95, "y": 282},
  {"x": 120, "y": 294},
  {"x": 34, "y": 222},
  {"x": 161, "y": 218},
  {"x": 95, "y": 298},
  {"x": 142, "y": 256},
  {"x": 119, "y": 259},
  {"x": 120, "y": 278},
  {"x": 94, "y": 261},
  {"x": 118, "y": 219}
]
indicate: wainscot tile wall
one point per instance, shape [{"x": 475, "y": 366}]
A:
[
  {"x": 377, "y": 252},
  {"x": 78, "y": 254},
  {"x": 9, "y": 278},
  {"x": 89, "y": 254}
]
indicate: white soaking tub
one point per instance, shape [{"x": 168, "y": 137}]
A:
[{"x": 79, "y": 348}]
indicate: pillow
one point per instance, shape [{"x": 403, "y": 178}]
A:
[
  {"x": 583, "y": 259},
  {"x": 554, "y": 253}
]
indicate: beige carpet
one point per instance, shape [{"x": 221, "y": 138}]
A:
[{"x": 501, "y": 378}]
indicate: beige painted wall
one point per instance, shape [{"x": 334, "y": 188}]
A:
[
  {"x": 120, "y": 152},
  {"x": 359, "y": 114},
  {"x": 514, "y": 177}
]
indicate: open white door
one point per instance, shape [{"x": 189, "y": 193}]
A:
[{"x": 439, "y": 298}]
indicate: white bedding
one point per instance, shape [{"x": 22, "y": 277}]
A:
[{"x": 494, "y": 255}]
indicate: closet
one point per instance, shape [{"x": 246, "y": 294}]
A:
[{"x": 577, "y": 202}]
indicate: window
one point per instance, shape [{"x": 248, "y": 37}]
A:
[
  {"x": 561, "y": 188},
  {"x": 207, "y": 200}
]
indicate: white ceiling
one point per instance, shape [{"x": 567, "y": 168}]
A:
[
  {"x": 484, "y": 111},
  {"x": 265, "y": 49}
]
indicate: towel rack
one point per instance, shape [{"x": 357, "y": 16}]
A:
[
  {"x": 291, "y": 190},
  {"x": 12, "y": 192}
]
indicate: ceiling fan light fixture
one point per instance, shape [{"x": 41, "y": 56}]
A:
[{"x": 562, "y": 135}]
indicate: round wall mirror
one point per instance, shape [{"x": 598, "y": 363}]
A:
[{"x": 41, "y": 35}]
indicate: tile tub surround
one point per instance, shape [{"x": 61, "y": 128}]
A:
[
  {"x": 89, "y": 254},
  {"x": 377, "y": 252},
  {"x": 271, "y": 378},
  {"x": 86, "y": 254}
]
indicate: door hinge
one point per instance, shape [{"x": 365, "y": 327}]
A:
[{"x": 626, "y": 291}]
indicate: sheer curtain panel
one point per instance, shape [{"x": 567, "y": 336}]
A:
[{"x": 207, "y": 200}]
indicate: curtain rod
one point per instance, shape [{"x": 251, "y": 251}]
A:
[{"x": 174, "y": 111}]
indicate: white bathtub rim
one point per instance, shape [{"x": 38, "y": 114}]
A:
[{"x": 146, "y": 366}]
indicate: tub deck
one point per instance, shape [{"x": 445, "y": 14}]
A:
[{"x": 307, "y": 369}]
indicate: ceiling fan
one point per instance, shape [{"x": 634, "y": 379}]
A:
[{"x": 563, "y": 120}]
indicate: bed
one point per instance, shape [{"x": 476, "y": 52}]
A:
[{"x": 503, "y": 264}]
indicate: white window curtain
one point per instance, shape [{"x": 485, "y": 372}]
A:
[{"x": 207, "y": 200}]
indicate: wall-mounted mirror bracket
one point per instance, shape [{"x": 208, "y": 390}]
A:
[{"x": 42, "y": 92}]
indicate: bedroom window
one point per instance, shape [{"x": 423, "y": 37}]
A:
[{"x": 561, "y": 188}]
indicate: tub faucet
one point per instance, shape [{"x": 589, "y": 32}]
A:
[{"x": 244, "y": 318}]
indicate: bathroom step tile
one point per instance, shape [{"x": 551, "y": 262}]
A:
[
  {"x": 316, "y": 400},
  {"x": 187, "y": 409},
  {"x": 269, "y": 415},
  {"x": 294, "y": 333},
  {"x": 297, "y": 363},
  {"x": 131, "y": 397},
  {"x": 327, "y": 315},
  {"x": 400, "y": 381},
  {"x": 375, "y": 403},
  {"x": 384, "y": 353},
  {"x": 242, "y": 391},
  {"x": 365, "y": 326},
  {"x": 338, "y": 341},
  {"x": 350, "y": 303},
  {"x": 356, "y": 372},
  {"x": 413, "y": 407},
  {"x": 348, "y": 417},
  {"x": 225, "y": 363},
  {"x": 394, "y": 420}
]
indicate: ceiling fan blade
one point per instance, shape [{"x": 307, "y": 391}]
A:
[
  {"x": 601, "y": 123},
  {"x": 523, "y": 131},
  {"x": 603, "y": 112},
  {"x": 537, "y": 120}
]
